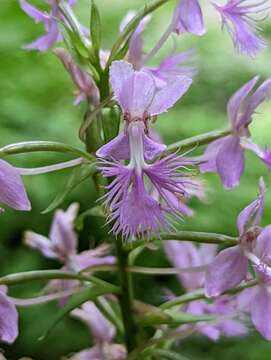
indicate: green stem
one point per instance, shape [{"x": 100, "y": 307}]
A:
[
  {"x": 126, "y": 297},
  {"x": 195, "y": 236},
  {"x": 20, "y": 278},
  {"x": 200, "y": 237},
  {"x": 33, "y": 146},
  {"x": 199, "y": 294},
  {"x": 91, "y": 117},
  {"x": 124, "y": 36},
  {"x": 197, "y": 140}
]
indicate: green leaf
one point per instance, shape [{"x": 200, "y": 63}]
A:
[
  {"x": 95, "y": 29},
  {"x": 94, "y": 211},
  {"x": 78, "y": 175},
  {"x": 90, "y": 293},
  {"x": 111, "y": 122}
]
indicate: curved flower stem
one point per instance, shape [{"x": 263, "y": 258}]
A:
[
  {"x": 33, "y": 146},
  {"x": 20, "y": 278},
  {"x": 124, "y": 36},
  {"x": 200, "y": 237},
  {"x": 199, "y": 294},
  {"x": 126, "y": 297},
  {"x": 197, "y": 140},
  {"x": 146, "y": 270},
  {"x": 195, "y": 236},
  {"x": 50, "y": 168}
]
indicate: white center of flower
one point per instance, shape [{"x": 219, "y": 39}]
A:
[{"x": 136, "y": 133}]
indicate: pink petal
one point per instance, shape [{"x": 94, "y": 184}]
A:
[
  {"x": 100, "y": 327},
  {"x": 189, "y": 18},
  {"x": 85, "y": 260},
  {"x": 261, "y": 310},
  {"x": 93, "y": 353},
  {"x": 230, "y": 162},
  {"x": 227, "y": 270},
  {"x": 12, "y": 190},
  {"x": 120, "y": 71},
  {"x": 8, "y": 320},
  {"x": 210, "y": 155},
  {"x": 252, "y": 214},
  {"x": 185, "y": 255},
  {"x": 117, "y": 149},
  {"x": 135, "y": 55},
  {"x": 237, "y": 99},
  {"x": 152, "y": 148},
  {"x": 62, "y": 234},
  {"x": 43, "y": 43},
  {"x": 41, "y": 243},
  {"x": 260, "y": 95},
  {"x": 263, "y": 245},
  {"x": 137, "y": 94},
  {"x": 33, "y": 12},
  {"x": 167, "y": 96}
]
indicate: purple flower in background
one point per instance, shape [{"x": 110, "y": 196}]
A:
[
  {"x": 257, "y": 300},
  {"x": 135, "y": 52},
  {"x": 236, "y": 16},
  {"x": 230, "y": 266},
  {"x": 171, "y": 66},
  {"x": 12, "y": 190},
  {"x": 8, "y": 318},
  {"x": 103, "y": 332},
  {"x": 62, "y": 245},
  {"x": 86, "y": 87},
  {"x": 134, "y": 210},
  {"x": 185, "y": 255},
  {"x": 188, "y": 18},
  {"x": 49, "y": 21},
  {"x": 226, "y": 155}
]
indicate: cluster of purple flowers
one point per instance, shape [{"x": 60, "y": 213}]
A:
[
  {"x": 226, "y": 270},
  {"x": 148, "y": 186},
  {"x": 61, "y": 245}
]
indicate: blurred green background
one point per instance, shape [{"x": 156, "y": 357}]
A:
[{"x": 36, "y": 104}]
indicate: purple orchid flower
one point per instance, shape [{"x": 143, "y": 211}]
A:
[
  {"x": 62, "y": 245},
  {"x": 226, "y": 155},
  {"x": 86, "y": 87},
  {"x": 185, "y": 255},
  {"x": 188, "y": 18},
  {"x": 134, "y": 210},
  {"x": 257, "y": 300},
  {"x": 236, "y": 16},
  {"x": 12, "y": 190},
  {"x": 8, "y": 318},
  {"x": 230, "y": 266},
  {"x": 49, "y": 21},
  {"x": 103, "y": 332}
]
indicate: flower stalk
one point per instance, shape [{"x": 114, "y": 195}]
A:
[{"x": 126, "y": 297}]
